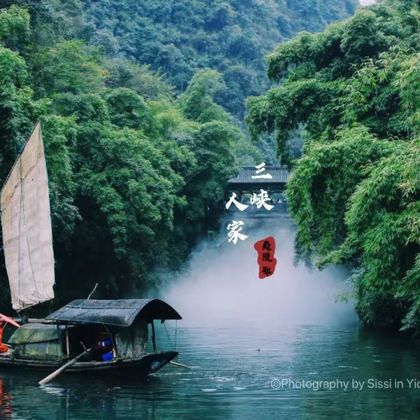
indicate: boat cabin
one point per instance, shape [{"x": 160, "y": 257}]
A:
[{"x": 114, "y": 329}]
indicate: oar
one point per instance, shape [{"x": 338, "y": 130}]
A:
[
  {"x": 180, "y": 365},
  {"x": 64, "y": 367}
]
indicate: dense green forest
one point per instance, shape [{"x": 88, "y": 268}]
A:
[
  {"x": 137, "y": 165},
  {"x": 354, "y": 90},
  {"x": 180, "y": 37},
  {"x": 135, "y": 175}
]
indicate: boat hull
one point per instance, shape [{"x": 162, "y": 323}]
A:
[{"x": 139, "y": 367}]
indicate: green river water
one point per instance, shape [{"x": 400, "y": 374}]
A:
[{"x": 281, "y": 348}]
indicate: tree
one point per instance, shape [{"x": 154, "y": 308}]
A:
[
  {"x": 355, "y": 191},
  {"x": 197, "y": 102},
  {"x": 127, "y": 161},
  {"x": 68, "y": 66},
  {"x": 128, "y": 109}
]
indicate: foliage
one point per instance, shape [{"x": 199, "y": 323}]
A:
[
  {"x": 136, "y": 175},
  {"x": 14, "y": 27},
  {"x": 197, "y": 102},
  {"x": 354, "y": 193},
  {"x": 178, "y": 38},
  {"x": 68, "y": 66}
]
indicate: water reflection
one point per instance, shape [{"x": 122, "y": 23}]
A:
[
  {"x": 6, "y": 409},
  {"x": 231, "y": 378}
]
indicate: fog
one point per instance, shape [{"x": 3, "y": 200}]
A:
[{"x": 220, "y": 286}]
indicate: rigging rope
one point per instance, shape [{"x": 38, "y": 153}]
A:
[{"x": 175, "y": 335}]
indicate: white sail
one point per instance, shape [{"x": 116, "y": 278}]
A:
[{"x": 26, "y": 224}]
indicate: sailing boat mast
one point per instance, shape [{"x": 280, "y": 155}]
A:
[{"x": 26, "y": 227}]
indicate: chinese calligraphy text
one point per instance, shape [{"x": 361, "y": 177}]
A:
[{"x": 266, "y": 261}]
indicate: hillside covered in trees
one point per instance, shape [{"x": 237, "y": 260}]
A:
[
  {"x": 180, "y": 37},
  {"x": 135, "y": 175},
  {"x": 137, "y": 165},
  {"x": 355, "y": 91}
]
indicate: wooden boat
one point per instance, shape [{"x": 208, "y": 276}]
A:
[{"x": 115, "y": 331}]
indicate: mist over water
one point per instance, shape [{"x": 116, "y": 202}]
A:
[
  {"x": 220, "y": 286},
  {"x": 239, "y": 333}
]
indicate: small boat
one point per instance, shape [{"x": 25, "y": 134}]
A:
[
  {"x": 116, "y": 331},
  {"x": 87, "y": 335}
]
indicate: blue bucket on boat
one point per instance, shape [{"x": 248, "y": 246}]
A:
[{"x": 106, "y": 357}]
